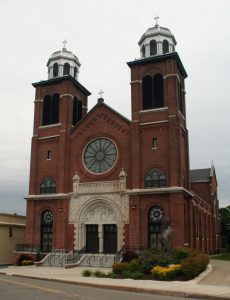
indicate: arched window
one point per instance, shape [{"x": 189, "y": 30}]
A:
[
  {"x": 143, "y": 51},
  {"x": 66, "y": 69},
  {"x": 153, "y": 47},
  {"x": 55, "y": 70},
  {"x": 158, "y": 85},
  {"x": 155, "y": 218},
  {"x": 75, "y": 73},
  {"x": 147, "y": 91},
  {"x": 165, "y": 46},
  {"x": 50, "y": 110},
  {"x": 77, "y": 111},
  {"x": 153, "y": 91},
  {"x": 155, "y": 179},
  {"x": 48, "y": 186},
  {"x": 46, "y": 230},
  {"x": 46, "y": 110},
  {"x": 180, "y": 98}
]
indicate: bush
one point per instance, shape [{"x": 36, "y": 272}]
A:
[
  {"x": 137, "y": 275},
  {"x": 166, "y": 273},
  {"x": 151, "y": 258},
  {"x": 181, "y": 253},
  {"x": 86, "y": 273},
  {"x": 27, "y": 262},
  {"x": 129, "y": 255},
  {"x": 193, "y": 266},
  {"x": 98, "y": 273},
  {"x": 134, "y": 265},
  {"x": 118, "y": 268},
  {"x": 127, "y": 273},
  {"x": 112, "y": 275}
]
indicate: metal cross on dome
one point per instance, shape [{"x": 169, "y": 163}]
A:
[
  {"x": 64, "y": 43},
  {"x": 100, "y": 93},
  {"x": 156, "y": 18}
]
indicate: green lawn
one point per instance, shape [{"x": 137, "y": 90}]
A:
[{"x": 223, "y": 256}]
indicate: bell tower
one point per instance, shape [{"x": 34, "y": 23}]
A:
[
  {"x": 60, "y": 103},
  {"x": 160, "y": 135},
  {"x": 160, "y": 156}
]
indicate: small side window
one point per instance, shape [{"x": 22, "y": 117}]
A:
[
  {"x": 48, "y": 154},
  {"x": 154, "y": 143},
  {"x": 10, "y": 231}
]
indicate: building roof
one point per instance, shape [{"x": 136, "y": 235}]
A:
[
  {"x": 157, "y": 58},
  {"x": 60, "y": 79},
  {"x": 200, "y": 175}
]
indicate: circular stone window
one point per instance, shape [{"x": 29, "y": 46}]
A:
[{"x": 100, "y": 155}]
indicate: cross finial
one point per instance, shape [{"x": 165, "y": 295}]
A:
[
  {"x": 64, "y": 43},
  {"x": 100, "y": 93},
  {"x": 156, "y": 18}
]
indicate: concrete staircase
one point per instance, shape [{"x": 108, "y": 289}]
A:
[
  {"x": 60, "y": 259},
  {"x": 55, "y": 260},
  {"x": 98, "y": 260}
]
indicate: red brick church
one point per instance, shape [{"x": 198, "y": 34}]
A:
[{"x": 99, "y": 181}]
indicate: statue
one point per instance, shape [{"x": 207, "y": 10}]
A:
[
  {"x": 76, "y": 181},
  {"x": 122, "y": 181}
]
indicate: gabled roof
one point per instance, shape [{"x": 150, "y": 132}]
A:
[
  {"x": 100, "y": 104},
  {"x": 200, "y": 175}
]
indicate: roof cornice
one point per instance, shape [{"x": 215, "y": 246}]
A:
[
  {"x": 61, "y": 79},
  {"x": 159, "y": 58}
]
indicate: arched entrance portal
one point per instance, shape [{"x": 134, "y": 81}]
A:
[{"x": 99, "y": 231}]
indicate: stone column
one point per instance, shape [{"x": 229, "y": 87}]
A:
[{"x": 101, "y": 238}]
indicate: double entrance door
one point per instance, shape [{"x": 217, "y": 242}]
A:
[{"x": 107, "y": 239}]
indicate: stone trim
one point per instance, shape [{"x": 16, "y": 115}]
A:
[
  {"x": 48, "y": 196},
  {"x": 135, "y": 81},
  {"x": 157, "y": 122},
  {"x": 153, "y": 110},
  {"x": 167, "y": 190},
  {"x": 49, "y": 126},
  {"x": 49, "y": 137},
  {"x": 66, "y": 95},
  {"x": 172, "y": 75}
]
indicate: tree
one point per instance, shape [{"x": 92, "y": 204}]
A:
[{"x": 225, "y": 227}]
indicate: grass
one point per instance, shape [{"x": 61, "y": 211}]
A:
[{"x": 223, "y": 256}]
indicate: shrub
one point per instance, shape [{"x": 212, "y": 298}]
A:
[
  {"x": 112, "y": 275},
  {"x": 127, "y": 273},
  {"x": 134, "y": 265},
  {"x": 86, "y": 273},
  {"x": 27, "y": 262},
  {"x": 193, "y": 266},
  {"x": 129, "y": 255},
  {"x": 166, "y": 273},
  {"x": 151, "y": 258},
  {"x": 137, "y": 275},
  {"x": 118, "y": 268},
  {"x": 181, "y": 253},
  {"x": 98, "y": 273}
]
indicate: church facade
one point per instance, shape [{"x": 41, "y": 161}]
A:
[{"x": 101, "y": 182}]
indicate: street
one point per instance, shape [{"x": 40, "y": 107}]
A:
[{"x": 12, "y": 288}]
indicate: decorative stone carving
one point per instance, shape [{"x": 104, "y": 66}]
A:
[
  {"x": 100, "y": 213},
  {"x": 76, "y": 181},
  {"x": 122, "y": 181}
]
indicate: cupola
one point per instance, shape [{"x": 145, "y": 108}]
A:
[
  {"x": 63, "y": 63},
  {"x": 157, "y": 41}
]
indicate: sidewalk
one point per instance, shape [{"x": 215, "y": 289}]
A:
[{"x": 193, "y": 288}]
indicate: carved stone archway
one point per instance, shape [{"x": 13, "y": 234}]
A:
[{"x": 99, "y": 212}]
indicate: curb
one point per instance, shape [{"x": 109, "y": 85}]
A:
[{"x": 129, "y": 289}]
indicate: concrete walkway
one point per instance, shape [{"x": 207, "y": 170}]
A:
[{"x": 204, "y": 286}]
